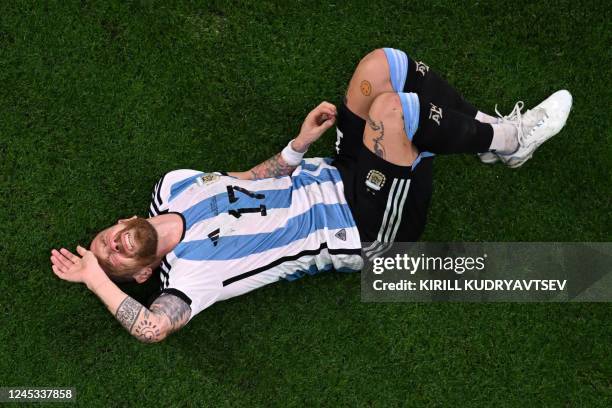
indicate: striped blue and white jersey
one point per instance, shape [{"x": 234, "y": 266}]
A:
[{"x": 240, "y": 235}]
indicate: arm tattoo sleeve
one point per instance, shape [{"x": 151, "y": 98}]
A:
[
  {"x": 174, "y": 308},
  {"x": 273, "y": 167}
]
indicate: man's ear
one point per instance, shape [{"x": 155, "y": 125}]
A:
[
  {"x": 143, "y": 274},
  {"x": 121, "y": 221}
]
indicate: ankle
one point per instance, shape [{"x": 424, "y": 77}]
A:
[
  {"x": 484, "y": 118},
  {"x": 505, "y": 138}
]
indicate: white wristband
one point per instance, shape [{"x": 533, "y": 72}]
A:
[{"x": 290, "y": 156}]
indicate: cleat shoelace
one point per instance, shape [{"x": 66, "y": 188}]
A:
[
  {"x": 516, "y": 118},
  {"x": 514, "y": 115}
]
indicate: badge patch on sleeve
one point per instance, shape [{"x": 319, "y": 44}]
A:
[
  {"x": 375, "y": 180},
  {"x": 207, "y": 179}
]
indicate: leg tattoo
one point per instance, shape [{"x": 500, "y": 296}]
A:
[
  {"x": 379, "y": 149},
  {"x": 366, "y": 88}
]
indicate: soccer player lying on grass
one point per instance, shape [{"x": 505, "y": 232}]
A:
[{"x": 213, "y": 236}]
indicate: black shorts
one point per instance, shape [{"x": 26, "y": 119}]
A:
[{"x": 389, "y": 202}]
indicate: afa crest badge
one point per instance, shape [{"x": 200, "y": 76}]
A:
[{"x": 375, "y": 180}]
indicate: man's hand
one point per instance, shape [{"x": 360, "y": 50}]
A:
[
  {"x": 316, "y": 123},
  {"x": 72, "y": 268}
]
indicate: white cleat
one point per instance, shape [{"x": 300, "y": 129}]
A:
[
  {"x": 488, "y": 157},
  {"x": 537, "y": 126}
]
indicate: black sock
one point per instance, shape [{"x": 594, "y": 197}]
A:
[
  {"x": 446, "y": 131},
  {"x": 430, "y": 86}
]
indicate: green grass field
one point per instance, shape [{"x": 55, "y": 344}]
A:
[{"x": 99, "y": 98}]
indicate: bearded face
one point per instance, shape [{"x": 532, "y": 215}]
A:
[{"x": 125, "y": 248}]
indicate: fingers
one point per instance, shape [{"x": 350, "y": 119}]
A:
[
  {"x": 323, "y": 108},
  {"x": 327, "y": 109},
  {"x": 82, "y": 251},
  {"x": 69, "y": 255},
  {"x": 327, "y": 124},
  {"x": 60, "y": 260},
  {"x": 63, "y": 261},
  {"x": 321, "y": 114},
  {"x": 327, "y": 106},
  {"x": 61, "y": 273},
  {"x": 56, "y": 271},
  {"x": 58, "y": 268}
]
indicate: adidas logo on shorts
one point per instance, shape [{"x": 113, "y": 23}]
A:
[{"x": 341, "y": 234}]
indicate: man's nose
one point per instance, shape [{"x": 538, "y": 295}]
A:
[{"x": 116, "y": 244}]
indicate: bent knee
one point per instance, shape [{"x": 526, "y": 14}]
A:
[
  {"x": 374, "y": 57},
  {"x": 374, "y": 65},
  {"x": 385, "y": 105}
]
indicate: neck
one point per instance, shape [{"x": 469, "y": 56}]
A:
[{"x": 169, "y": 229}]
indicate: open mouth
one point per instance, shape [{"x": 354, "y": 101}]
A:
[
  {"x": 125, "y": 238},
  {"x": 128, "y": 242}
]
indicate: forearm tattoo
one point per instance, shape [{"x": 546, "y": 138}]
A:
[
  {"x": 147, "y": 330},
  {"x": 147, "y": 325},
  {"x": 273, "y": 167},
  {"x": 127, "y": 312},
  {"x": 379, "y": 127}
]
